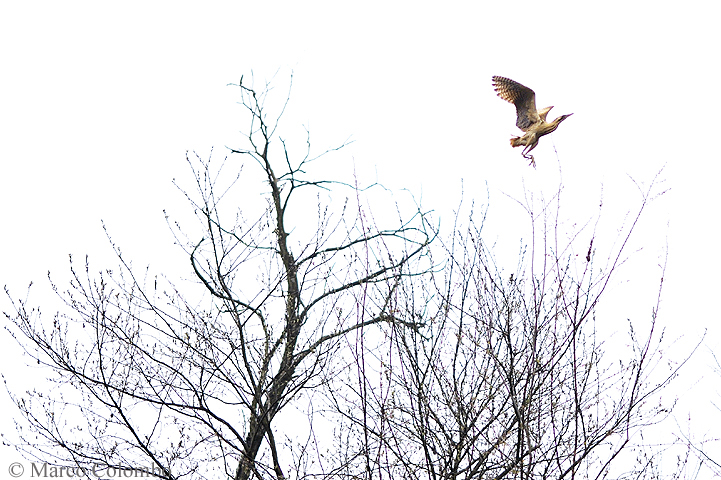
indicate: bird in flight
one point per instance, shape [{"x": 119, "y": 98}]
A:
[{"x": 530, "y": 120}]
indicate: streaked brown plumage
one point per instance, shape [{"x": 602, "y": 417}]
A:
[{"x": 530, "y": 120}]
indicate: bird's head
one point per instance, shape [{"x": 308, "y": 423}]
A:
[
  {"x": 563, "y": 117},
  {"x": 543, "y": 112}
]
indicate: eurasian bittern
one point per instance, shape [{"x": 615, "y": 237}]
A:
[{"x": 530, "y": 120}]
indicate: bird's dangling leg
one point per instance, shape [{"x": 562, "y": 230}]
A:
[
  {"x": 530, "y": 157},
  {"x": 526, "y": 155}
]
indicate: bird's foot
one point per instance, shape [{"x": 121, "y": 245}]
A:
[{"x": 532, "y": 163}]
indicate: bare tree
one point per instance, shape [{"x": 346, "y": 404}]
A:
[
  {"x": 151, "y": 377},
  {"x": 432, "y": 362}
]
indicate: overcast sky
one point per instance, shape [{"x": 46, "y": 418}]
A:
[{"x": 99, "y": 103}]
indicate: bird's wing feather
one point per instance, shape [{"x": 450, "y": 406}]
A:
[{"x": 522, "y": 97}]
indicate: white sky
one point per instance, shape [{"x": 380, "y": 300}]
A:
[{"x": 99, "y": 102}]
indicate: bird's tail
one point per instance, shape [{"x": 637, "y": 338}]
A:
[{"x": 516, "y": 142}]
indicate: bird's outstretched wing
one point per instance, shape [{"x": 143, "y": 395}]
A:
[{"x": 522, "y": 97}]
